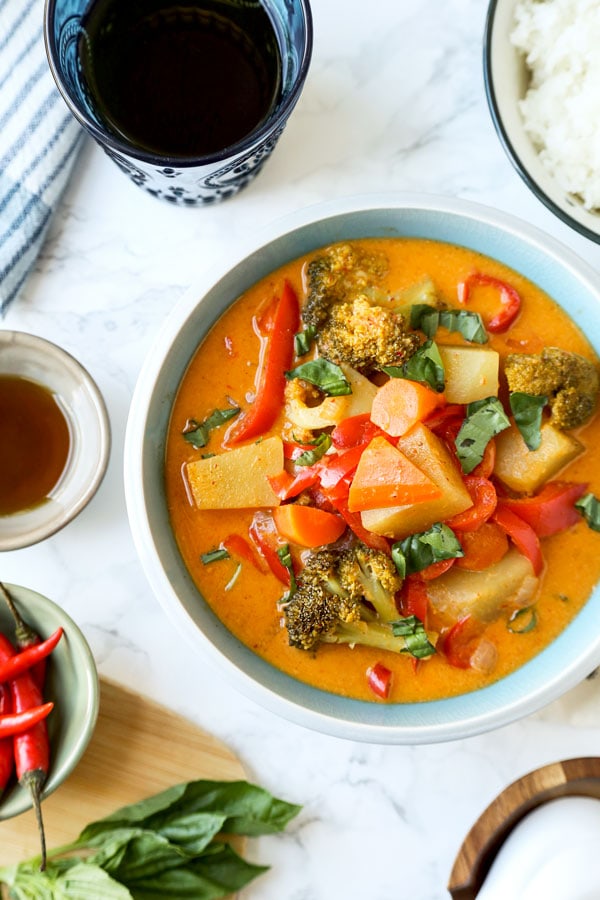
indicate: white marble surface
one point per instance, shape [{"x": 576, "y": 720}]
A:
[{"x": 394, "y": 101}]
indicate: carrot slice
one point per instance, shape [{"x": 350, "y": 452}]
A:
[
  {"x": 307, "y": 525},
  {"x": 400, "y": 403},
  {"x": 482, "y": 548},
  {"x": 386, "y": 477}
]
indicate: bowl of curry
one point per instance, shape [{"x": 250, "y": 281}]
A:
[{"x": 362, "y": 469}]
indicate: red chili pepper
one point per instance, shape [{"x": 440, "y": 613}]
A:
[
  {"x": 550, "y": 511},
  {"x": 238, "y": 546},
  {"x": 510, "y": 300},
  {"x": 17, "y": 723},
  {"x": 27, "y": 658},
  {"x": 31, "y": 748},
  {"x": 7, "y": 759},
  {"x": 484, "y": 497},
  {"x": 25, "y": 636},
  {"x": 278, "y": 357},
  {"x": 522, "y": 535},
  {"x": 379, "y": 679}
]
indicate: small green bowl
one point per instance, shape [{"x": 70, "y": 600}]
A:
[{"x": 72, "y": 684}]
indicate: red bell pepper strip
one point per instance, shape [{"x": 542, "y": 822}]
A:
[
  {"x": 459, "y": 642},
  {"x": 20, "y": 662},
  {"x": 413, "y": 597},
  {"x": 239, "y": 547},
  {"x": 550, "y": 511},
  {"x": 287, "y": 486},
  {"x": 484, "y": 497},
  {"x": 379, "y": 679},
  {"x": 437, "y": 568},
  {"x": 332, "y": 469},
  {"x": 263, "y": 534},
  {"x": 278, "y": 358},
  {"x": 522, "y": 535},
  {"x": 510, "y": 300},
  {"x": 354, "y": 522},
  {"x": 485, "y": 468},
  {"x": 354, "y": 432}
]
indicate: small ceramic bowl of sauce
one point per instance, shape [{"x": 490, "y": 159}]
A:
[{"x": 55, "y": 439}]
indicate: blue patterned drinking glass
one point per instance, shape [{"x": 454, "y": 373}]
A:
[{"x": 188, "y": 180}]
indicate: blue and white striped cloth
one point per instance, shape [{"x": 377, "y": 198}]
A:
[{"x": 39, "y": 140}]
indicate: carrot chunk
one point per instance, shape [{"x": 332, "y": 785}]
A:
[
  {"x": 386, "y": 477},
  {"x": 307, "y": 525},
  {"x": 400, "y": 403}
]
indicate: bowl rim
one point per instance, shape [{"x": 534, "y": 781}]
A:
[
  {"x": 505, "y": 140},
  {"x": 426, "y": 726},
  {"x": 80, "y": 373}
]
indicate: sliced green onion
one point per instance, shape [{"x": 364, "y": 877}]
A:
[
  {"x": 415, "y": 637},
  {"x": 425, "y": 365},
  {"x": 485, "y": 418},
  {"x": 214, "y": 555},
  {"x": 325, "y": 375},
  {"x": 527, "y": 411},
  {"x": 589, "y": 507},
  {"x": 418, "y": 551},
  {"x": 522, "y": 620},
  {"x": 198, "y": 433}
]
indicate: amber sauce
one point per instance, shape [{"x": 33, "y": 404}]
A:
[
  {"x": 35, "y": 444},
  {"x": 225, "y": 366}
]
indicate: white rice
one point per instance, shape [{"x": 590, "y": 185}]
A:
[{"x": 561, "y": 110}]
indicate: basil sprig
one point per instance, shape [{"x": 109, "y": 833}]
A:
[
  {"x": 468, "y": 324},
  {"x": 589, "y": 507},
  {"x": 484, "y": 419},
  {"x": 418, "y": 551},
  {"x": 165, "y": 846},
  {"x": 425, "y": 365},
  {"x": 325, "y": 375},
  {"x": 527, "y": 412},
  {"x": 320, "y": 447},
  {"x": 415, "y": 637},
  {"x": 198, "y": 433}
]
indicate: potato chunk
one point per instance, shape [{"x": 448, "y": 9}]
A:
[
  {"x": 237, "y": 479},
  {"x": 428, "y": 452},
  {"x": 524, "y": 470},
  {"x": 471, "y": 373},
  {"x": 509, "y": 583},
  {"x": 332, "y": 410}
]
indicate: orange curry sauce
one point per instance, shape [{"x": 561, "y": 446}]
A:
[{"x": 225, "y": 366}]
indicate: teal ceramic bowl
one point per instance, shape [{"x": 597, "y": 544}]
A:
[
  {"x": 557, "y": 270},
  {"x": 71, "y": 683}
]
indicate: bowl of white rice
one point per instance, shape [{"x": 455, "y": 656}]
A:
[{"x": 542, "y": 75}]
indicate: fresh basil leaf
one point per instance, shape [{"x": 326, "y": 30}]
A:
[
  {"x": 527, "y": 412},
  {"x": 303, "y": 340},
  {"x": 399, "y": 559},
  {"x": 141, "y": 854},
  {"x": 468, "y": 324},
  {"x": 214, "y": 555},
  {"x": 425, "y": 366},
  {"x": 415, "y": 637},
  {"x": 427, "y": 547},
  {"x": 198, "y": 433},
  {"x": 321, "y": 446},
  {"x": 65, "y": 879},
  {"x": 589, "y": 507},
  {"x": 484, "y": 419},
  {"x": 522, "y": 620},
  {"x": 285, "y": 558},
  {"x": 325, "y": 375}
]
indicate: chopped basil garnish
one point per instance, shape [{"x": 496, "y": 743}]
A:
[
  {"x": 198, "y": 433},
  {"x": 321, "y": 445},
  {"x": 412, "y": 630},
  {"x": 418, "y": 551},
  {"x": 285, "y": 558},
  {"x": 303, "y": 341},
  {"x": 522, "y": 620},
  {"x": 527, "y": 411},
  {"x": 214, "y": 555},
  {"x": 425, "y": 365},
  {"x": 589, "y": 507},
  {"x": 468, "y": 324},
  {"x": 485, "y": 418},
  {"x": 325, "y": 375}
]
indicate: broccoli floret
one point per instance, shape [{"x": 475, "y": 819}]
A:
[
  {"x": 338, "y": 273},
  {"x": 568, "y": 380},
  {"x": 365, "y": 336},
  {"x": 331, "y": 604}
]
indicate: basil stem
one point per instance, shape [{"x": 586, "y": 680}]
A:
[
  {"x": 418, "y": 551},
  {"x": 485, "y": 418},
  {"x": 325, "y": 375},
  {"x": 527, "y": 412},
  {"x": 468, "y": 324},
  {"x": 415, "y": 637},
  {"x": 589, "y": 507},
  {"x": 198, "y": 433},
  {"x": 425, "y": 365}
]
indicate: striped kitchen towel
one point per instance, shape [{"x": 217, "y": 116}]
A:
[{"x": 39, "y": 141}]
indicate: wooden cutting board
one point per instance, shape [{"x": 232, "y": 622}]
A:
[{"x": 138, "y": 749}]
